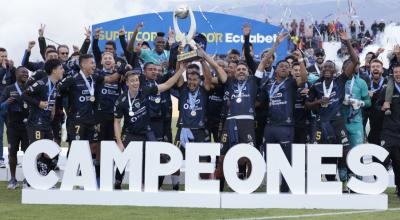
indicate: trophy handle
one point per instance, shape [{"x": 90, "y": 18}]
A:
[
  {"x": 192, "y": 30},
  {"x": 179, "y": 34}
]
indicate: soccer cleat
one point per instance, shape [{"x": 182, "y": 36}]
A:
[
  {"x": 12, "y": 184},
  {"x": 2, "y": 164},
  {"x": 175, "y": 187}
]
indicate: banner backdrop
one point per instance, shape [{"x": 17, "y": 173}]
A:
[{"x": 223, "y": 32}]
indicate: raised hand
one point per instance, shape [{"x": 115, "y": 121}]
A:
[
  {"x": 88, "y": 32},
  {"x": 246, "y": 29},
  {"x": 31, "y": 44},
  {"x": 343, "y": 35},
  {"x": 380, "y": 50},
  {"x": 281, "y": 37},
  {"x": 297, "y": 54},
  {"x": 139, "y": 27},
  {"x": 122, "y": 31},
  {"x": 41, "y": 30},
  {"x": 75, "y": 48},
  {"x": 97, "y": 33}
]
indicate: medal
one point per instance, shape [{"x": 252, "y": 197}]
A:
[
  {"x": 157, "y": 100},
  {"x": 192, "y": 102},
  {"x": 130, "y": 103},
  {"x": 25, "y": 105},
  {"x": 240, "y": 88},
  {"x": 89, "y": 86},
  {"x": 238, "y": 100},
  {"x": 4, "y": 82}
]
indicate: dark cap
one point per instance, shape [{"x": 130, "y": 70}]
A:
[{"x": 319, "y": 51}]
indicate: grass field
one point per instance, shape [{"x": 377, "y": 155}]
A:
[{"x": 11, "y": 208}]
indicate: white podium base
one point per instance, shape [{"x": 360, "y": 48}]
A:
[{"x": 204, "y": 200}]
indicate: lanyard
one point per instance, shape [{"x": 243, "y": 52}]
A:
[
  {"x": 350, "y": 92},
  {"x": 274, "y": 90},
  {"x": 317, "y": 69},
  {"x": 192, "y": 99},
  {"x": 397, "y": 87},
  {"x": 130, "y": 102},
  {"x": 18, "y": 89},
  {"x": 241, "y": 87},
  {"x": 51, "y": 89},
  {"x": 89, "y": 86},
  {"x": 379, "y": 85},
  {"x": 270, "y": 73},
  {"x": 327, "y": 93}
]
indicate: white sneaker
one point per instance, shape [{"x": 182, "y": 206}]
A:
[
  {"x": 2, "y": 164},
  {"x": 12, "y": 184}
]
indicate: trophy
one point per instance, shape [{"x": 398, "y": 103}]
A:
[{"x": 182, "y": 12}]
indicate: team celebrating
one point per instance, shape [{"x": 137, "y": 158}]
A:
[{"x": 230, "y": 99}]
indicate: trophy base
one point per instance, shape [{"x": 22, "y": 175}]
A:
[{"x": 189, "y": 56}]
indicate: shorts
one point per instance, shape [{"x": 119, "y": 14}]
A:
[
  {"x": 105, "y": 129},
  {"x": 56, "y": 126},
  {"x": 200, "y": 136},
  {"x": 17, "y": 137},
  {"x": 282, "y": 135},
  {"x": 245, "y": 133},
  {"x": 157, "y": 126},
  {"x": 35, "y": 134},
  {"x": 81, "y": 131}
]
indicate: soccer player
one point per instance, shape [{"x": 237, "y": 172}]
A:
[
  {"x": 280, "y": 97},
  {"x": 41, "y": 96},
  {"x": 17, "y": 117},
  {"x": 132, "y": 106},
  {"x": 326, "y": 97},
  {"x": 7, "y": 77},
  {"x": 80, "y": 89},
  {"x": 391, "y": 127}
]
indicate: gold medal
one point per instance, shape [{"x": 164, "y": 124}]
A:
[
  {"x": 92, "y": 98},
  {"x": 131, "y": 113},
  {"x": 193, "y": 113}
]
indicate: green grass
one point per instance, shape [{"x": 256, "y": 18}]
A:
[{"x": 11, "y": 208}]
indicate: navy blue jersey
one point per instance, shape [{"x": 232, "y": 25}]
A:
[
  {"x": 106, "y": 94},
  {"x": 246, "y": 104},
  {"x": 41, "y": 90},
  {"x": 80, "y": 106},
  {"x": 17, "y": 112},
  {"x": 7, "y": 76},
  {"x": 280, "y": 98},
  {"x": 332, "y": 111},
  {"x": 192, "y": 114},
  {"x": 216, "y": 101},
  {"x": 302, "y": 115},
  {"x": 391, "y": 123},
  {"x": 157, "y": 100},
  {"x": 139, "y": 122}
]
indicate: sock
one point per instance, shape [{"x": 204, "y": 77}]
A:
[{"x": 175, "y": 179}]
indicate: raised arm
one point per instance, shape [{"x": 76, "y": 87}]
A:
[
  {"x": 246, "y": 46},
  {"x": 133, "y": 39},
  {"x": 171, "y": 82},
  {"x": 350, "y": 69},
  {"x": 86, "y": 43},
  {"x": 220, "y": 71},
  {"x": 122, "y": 40},
  {"x": 42, "y": 41},
  {"x": 270, "y": 52},
  {"x": 95, "y": 46}
]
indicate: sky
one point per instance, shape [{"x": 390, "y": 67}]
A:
[{"x": 65, "y": 20}]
